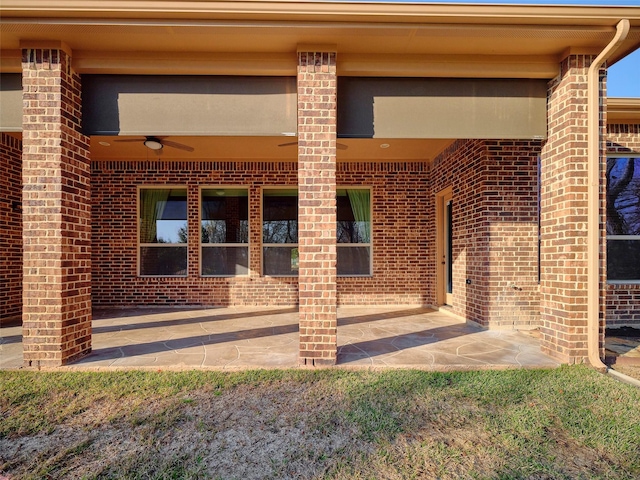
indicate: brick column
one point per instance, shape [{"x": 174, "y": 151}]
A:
[
  {"x": 317, "y": 86},
  {"x": 563, "y": 281},
  {"x": 56, "y": 211}
]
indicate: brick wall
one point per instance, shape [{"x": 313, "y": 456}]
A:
[
  {"x": 495, "y": 230},
  {"x": 496, "y": 216},
  {"x": 402, "y": 261},
  {"x": 623, "y": 305},
  {"x": 623, "y": 301},
  {"x": 56, "y": 212},
  {"x": 564, "y": 215},
  {"x": 114, "y": 261},
  {"x": 462, "y": 168},
  {"x": 11, "y": 228},
  {"x": 403, "y": 271},
  {"x": 510, "y": 195}
]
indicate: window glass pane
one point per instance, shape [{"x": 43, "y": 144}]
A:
[
  {"x": 623, "y": 196},
  {"x": 163, "y": 216},
  {"x": 225, "y": 261},
  {"x": 623, "y": 259},
  {"x": 354, "y": 216},
  {"x": 163, "y": 261},
  {"x": 353, "y": 261},
  {"x": 280, "y": 260},
  {"x": 280, "y": 216},
  {"x": 623, "y": 217},
  {"x": 280, "y": 231},
  {"x": 225, "y": 216}
]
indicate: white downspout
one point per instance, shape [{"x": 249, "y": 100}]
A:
[{"x": 593, "y": 196}]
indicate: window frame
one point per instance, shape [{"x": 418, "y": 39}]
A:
[
  {"x": 620, "y": 237},
  {"x": 202, "y": 245},
  {"x": 141, "y": 245},
  {"x": 369, "y": 244},
  {"x": 338, "y": 244},
  {"x": 276, "y": 245}
]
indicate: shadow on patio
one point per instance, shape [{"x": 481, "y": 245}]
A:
[{"x": 268, "y": 338}]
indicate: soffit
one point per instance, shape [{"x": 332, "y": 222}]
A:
[
  {"x": 263, "y": 149},
  {"x": 124, "y": 29},
  {"x": 268, "y": 148},
  {"x": 285, "y": 37}
]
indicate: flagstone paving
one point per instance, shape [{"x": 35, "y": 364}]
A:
[{"x": 246, "y": 337}]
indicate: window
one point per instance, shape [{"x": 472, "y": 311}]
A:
[
  {"x": 280, "y": 232},
  {"x": 224, "y": 231},
  {"x": 623, "y": 219},
  {"x": 354, "y": 231},
  {"x": 163, "y": 232}
]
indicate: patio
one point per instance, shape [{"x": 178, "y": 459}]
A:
[{"x": 249, "y": 337}]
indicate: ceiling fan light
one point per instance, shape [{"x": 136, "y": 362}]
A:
[{"x": 153, "y": 144}]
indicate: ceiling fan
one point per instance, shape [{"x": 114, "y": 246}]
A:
[
  {"x": 157, "y": 143},
  {"x": 339, "y": 146}
]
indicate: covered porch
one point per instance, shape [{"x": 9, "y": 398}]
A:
[
  {"x": 260, "y": 337},
  {"x": 329, "y": 167}
]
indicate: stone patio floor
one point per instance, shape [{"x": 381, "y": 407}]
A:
[{"x": 247, "y": 337}]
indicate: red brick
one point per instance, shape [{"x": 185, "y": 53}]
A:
[
  {"x": 317, "y": 113},
  {"x": 564, "y": 216},
  {"x": 11, "y": 227},
  {"x": 56, "y": 215}
]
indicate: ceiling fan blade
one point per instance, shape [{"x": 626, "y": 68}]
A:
[{"x": 180, "y": 146}]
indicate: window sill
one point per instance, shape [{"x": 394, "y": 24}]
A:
[
  {"x": 163, "y": 276},
  {"x": 225, "y": 276}
]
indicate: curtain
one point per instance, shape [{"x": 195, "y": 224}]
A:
[
  {"x": 152, "y": 205},
  {"x": 360, "y": 206}
]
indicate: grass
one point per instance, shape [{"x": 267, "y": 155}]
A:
[{"x": 569, "y": 422}]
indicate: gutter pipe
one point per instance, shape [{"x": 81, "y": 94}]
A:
[{"x": 593, "y": 195}]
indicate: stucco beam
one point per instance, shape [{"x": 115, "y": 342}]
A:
[
  {"x": 284, "y": 64},
  {"x": 10, "y": 61},
  {"x": 175, "y": 63},
  {"x": 463, "y": 66}
]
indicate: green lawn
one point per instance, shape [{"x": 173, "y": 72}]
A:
[{"x": 569, "y": 422}]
